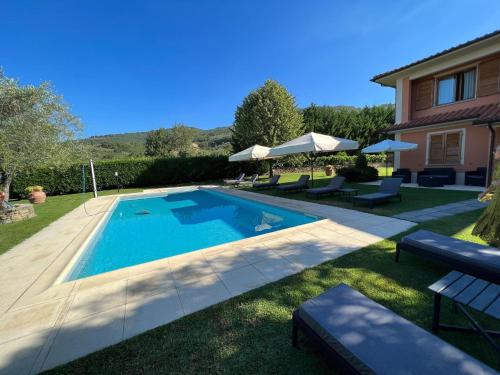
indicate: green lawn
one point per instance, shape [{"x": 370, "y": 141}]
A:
[
  {"x": 251, "y": 333},
  {"x": 52, "y": 209},
  {"x": 413, "y": 198}
]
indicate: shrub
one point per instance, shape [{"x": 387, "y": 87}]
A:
[
  {"x": 141, "y": 172},
  {"x": 355, "y": 174},
  {"x": 31, "y": 189}
]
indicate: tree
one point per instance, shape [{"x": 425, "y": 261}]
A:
[
  {"x": 181, "y": 139},
  {"x": 268, "y": 116},
  {"x": 36, "y": 129},
  {"x": 157, "y": 143},
  {"x": 177, "y": 141},
  {"x": 364, "y": 125}
]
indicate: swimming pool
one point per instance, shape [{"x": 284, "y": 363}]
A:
[{"x": 147, "y": 229}]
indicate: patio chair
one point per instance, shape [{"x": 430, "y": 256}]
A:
[
  {"x": 359, "y": 336},
  {"x": 300, "y": 184},
  {"x": 404, "y": 173},
  {"x": 267, "y": 185},
  {"x": 476, "y": 178},
  {"x": 334, "y": 185},
  {"x": 388, "y": 189},
  {"x": 236, "y": 181},
  {"x": 473, "y": 259}
]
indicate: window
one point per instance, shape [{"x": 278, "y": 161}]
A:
[
  {"x": 445, "y": 148},
  {"x": 455, "y": 87}
]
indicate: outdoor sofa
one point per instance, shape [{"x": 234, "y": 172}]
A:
[
  {"x": 300, "y": 184},
  {"x": 434, "y": 177},
  {"x": 476, "y": 178},
  {"x": 403, "y": 173},
  {"x": 235, "y": 181},
  {"x": 388, "y": 189},
  {"x": 470, "y": 258},
  {"x": 333, "y": 186},
  {"x": 359, "y": 336},
  {"x": 267, "y": 185}
]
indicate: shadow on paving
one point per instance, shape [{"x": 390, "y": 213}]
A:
[{"x": 251, "y": 333}]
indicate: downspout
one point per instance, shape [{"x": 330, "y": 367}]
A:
[{"x": 489, "y": 175}]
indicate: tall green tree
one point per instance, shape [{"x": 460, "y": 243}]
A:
[
  {"x": 268, "y": 116},
  {"x": 176, "y": 141},
  {"x": 36, "y": 129}
]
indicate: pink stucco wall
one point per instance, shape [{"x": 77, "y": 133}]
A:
[
  {"x": 408, "y": 111},
  {"x": 477, "y": 141}
]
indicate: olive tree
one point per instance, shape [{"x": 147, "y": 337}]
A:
[
  {"x": 36, "y": 129},
  {"x": 176, "y": 141}
]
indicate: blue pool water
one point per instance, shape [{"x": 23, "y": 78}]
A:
[{"x": 147, "y": 229}]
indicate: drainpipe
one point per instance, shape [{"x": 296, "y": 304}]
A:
[{"x": 489, "y": 174}]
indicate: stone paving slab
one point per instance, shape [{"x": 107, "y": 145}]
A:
[
  {"x": 45, "y": 322},
  {"x": 438, "y": 212}
]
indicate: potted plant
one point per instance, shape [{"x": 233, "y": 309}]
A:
[
  {"x": 36, "y": 194},
  {"x": 329, "y": 170}
]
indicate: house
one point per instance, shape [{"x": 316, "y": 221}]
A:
[{"x": 449, "y": 104}]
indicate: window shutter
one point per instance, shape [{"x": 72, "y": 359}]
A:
[
  {"x": 452, "y": 149},
  {"x": 424, "y": 94},
  {"x": 489, "y": 78},
  {"x": 436, "y": 149}
]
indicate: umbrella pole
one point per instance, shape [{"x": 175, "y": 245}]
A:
[
  {"x": 386, "y": 165},
  {"x": 312, "y": 172}
]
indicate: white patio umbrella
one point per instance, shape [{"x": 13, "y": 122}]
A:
[
  {"x": 255, "y": 152},
  {"x": 312, "y": 144},
  {"x": 389, "y": 145}
]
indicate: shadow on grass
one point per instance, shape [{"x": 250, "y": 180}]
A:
[{"x": 251, "y": 333}]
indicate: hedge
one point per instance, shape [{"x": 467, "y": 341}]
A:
[{"x": 142, "y": 172}]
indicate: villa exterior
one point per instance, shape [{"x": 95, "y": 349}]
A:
[{"x": 449, "y": 104}]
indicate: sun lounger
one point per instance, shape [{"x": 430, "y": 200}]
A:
[
  {"x": 301, "y": 184},
  {"x": 266, "y": 185},
  {"x": 248, "y": 182},
  {"x": 235, "y": 181},
  {"x": 359, "y": 336},
  {"x": 473, "y": 259},
  {"x": 389, "y": 189},
  {"x": 335, "y": 184}
]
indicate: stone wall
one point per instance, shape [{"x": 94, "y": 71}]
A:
[{"x": 17, "y": 213}]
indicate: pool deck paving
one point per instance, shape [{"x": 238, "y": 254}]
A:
[
  {"x": 442, "y": 211},
  {"x": 45, "y": 322}
]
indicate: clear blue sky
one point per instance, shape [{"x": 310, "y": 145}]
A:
[{"x": 138, "y": 65}]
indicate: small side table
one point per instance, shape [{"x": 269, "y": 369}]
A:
[
  {"x": 348, "y": 192},
  {"x": 465, "y": 290}
]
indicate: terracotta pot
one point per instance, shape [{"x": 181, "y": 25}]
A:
[
  {"x": 2, "y": 196},
  {"x": 37, "y": 197},
  {"x": 328, "y": 170}
]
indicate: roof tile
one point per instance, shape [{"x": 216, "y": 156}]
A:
[{"x": 479, "y": 115}]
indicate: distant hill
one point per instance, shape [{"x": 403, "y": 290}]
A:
[{"x": 115, "y": 146}]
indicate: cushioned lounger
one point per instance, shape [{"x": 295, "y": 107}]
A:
[
  {"x": 476, "y": 260},
  {"x": 235, "y": 181},
  {"x": 362, "y": 337},
  {"x": 388, "y": 189},
  {"x": 335, "y": 184},
  {"x": 301, "y": 184},
  {"x": 265, "y": 185}
]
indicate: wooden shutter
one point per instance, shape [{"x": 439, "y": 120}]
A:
[
  {"x": 489, "y": 78},
  {"x": 436, "y": 149},
  {"x": 452, "y": 148},
  {"x": 424, "y": 94}
]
